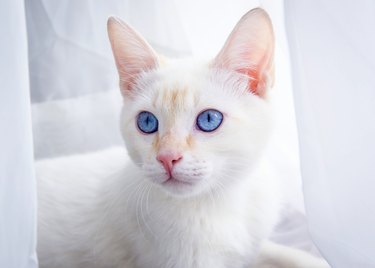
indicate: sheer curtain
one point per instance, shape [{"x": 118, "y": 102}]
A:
[
  {"x": 17, "y": 184},
  {"x": 333, "y": 58},
  {"x": 75, "y": 105}
]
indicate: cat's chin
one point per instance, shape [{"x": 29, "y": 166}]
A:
[
  {"x": 176, "y": 183},
  {"x": 180, "y": 188}
]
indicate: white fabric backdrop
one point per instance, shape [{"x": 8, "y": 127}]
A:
[
  {"x": 73, "y": 81},
  {"x": 333, "y": 58},
  {"x": 17, "y": 185}
]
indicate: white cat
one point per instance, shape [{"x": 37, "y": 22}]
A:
[{"x": 196, "y": 192}]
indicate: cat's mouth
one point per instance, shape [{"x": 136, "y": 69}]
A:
[
  {"x": 180, "y": 186},
  {"x": 176, "y": 182}
]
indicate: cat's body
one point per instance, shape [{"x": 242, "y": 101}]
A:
[
  {"x": 196, "y": 191},
  {"x": 102, "y": 218}
]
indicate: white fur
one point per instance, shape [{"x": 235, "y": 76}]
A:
[
  {"x": 105, "y": 210},
  {"x": 101, "y": 210}
]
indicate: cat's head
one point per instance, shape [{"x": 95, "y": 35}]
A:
[{"x": 193, "y": 126}]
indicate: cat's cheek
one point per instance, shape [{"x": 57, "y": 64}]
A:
[
  {"x": 135, "y": 154},
  {"x": 154, "y": 172},
  {"x": 139, "y": 145},
  {"x": 133, "y": 151},
  {"x": 193, "y": 172},
  {"x": 218, "y": 170}
]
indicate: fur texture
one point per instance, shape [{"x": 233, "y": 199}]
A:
[{"x": 220, "y": 200}]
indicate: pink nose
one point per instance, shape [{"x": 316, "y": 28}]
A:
[{"x": 168, "y": 159}]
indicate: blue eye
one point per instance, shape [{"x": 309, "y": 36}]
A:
[
  {"x": 147, "y": 122},
  {"x": 209, "y": 120}
]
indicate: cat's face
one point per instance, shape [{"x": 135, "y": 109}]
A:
[{"x": 192, "y": 126}]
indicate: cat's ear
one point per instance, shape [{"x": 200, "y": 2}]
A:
[
  {"x": 133, "y": 55},
  {"x": 249, "y": 51}
]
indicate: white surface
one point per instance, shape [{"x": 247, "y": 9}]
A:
[
  {"x": 332, "y": 47},
  {"x": 17, "y": 185}
]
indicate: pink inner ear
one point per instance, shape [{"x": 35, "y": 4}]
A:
[
  {"x": 249, "y": 51},
  {"x": 133, "y": 55},
  {"x": 130, "y": 71},
  {"x": 257, "y": 80},
  {"x": 253, "y": 80}
]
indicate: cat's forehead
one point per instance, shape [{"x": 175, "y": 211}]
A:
[
  {"x": 176, "y": 98},
  {"x": 179, "y": 87}
]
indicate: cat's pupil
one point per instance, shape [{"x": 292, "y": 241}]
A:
[
  {"x": 147, "y": 122},
  {"x": 209, "y": 120}
]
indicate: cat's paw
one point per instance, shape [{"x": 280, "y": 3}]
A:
[
  {"x": 316, "y": 263},
  {"x": 278, "y": 256}
]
